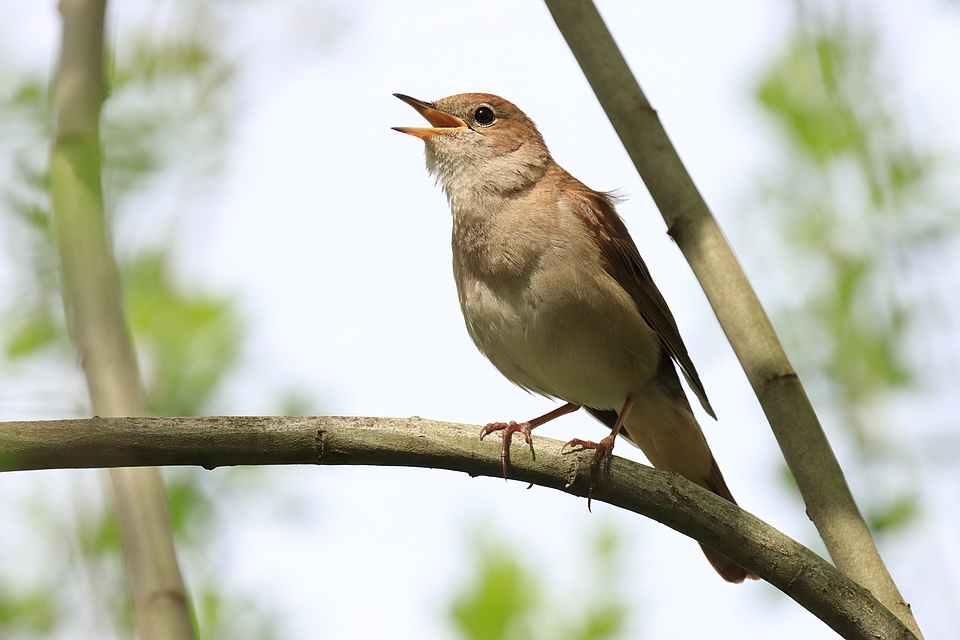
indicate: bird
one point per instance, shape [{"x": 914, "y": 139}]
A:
[{"x": 555, "y": 294}]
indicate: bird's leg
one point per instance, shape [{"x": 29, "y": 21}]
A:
[
  {"x": 603, "y": 450},
  {"x": 510, "y": 428}
]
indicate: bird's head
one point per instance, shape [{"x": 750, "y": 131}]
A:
[{"x": 479, "y": 142}]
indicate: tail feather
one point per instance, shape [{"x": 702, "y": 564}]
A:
[
  {"x": 727, "y": 568},
  {"x": 671, "y": 439}
]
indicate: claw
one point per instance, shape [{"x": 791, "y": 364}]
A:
[
  {"x": 602, "y": 456},
  {"x": 525, "y": 428},
  {"x": 577, "y": 442},
  {"x": 508, "y": 430},
  {"x": 490, "y": 428}
]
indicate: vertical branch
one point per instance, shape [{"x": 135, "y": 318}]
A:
[
  {"x": 689, "y": 221},
  {"x": 91, "y": 294}
]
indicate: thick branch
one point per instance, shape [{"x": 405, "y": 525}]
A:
[
  {"x": 91, "y": 296},
  {"x": 666, "y": 497},
  {"x": 791, "y": 416}
]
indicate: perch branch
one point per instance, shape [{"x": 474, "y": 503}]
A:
[{"x": 666, "y": 497}]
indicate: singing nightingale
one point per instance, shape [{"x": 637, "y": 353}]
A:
[{"x": 554, "y": 292}]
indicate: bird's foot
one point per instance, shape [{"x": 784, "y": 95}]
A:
[
  {"x": 602, "y": 457},
  {"x": 509, "y": 428}
]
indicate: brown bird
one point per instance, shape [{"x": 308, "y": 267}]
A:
[{"x": 554, "y": 292}]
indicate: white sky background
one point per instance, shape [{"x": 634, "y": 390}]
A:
[{"x": 337, "y": 241}]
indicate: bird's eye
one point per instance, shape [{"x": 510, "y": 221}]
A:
[{"x": 484, "y": 115}]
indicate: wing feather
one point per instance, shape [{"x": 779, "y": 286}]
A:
[{"x": 623, "y": 262}]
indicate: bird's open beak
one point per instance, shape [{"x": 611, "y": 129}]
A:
[{"x": 441, "y": 121}]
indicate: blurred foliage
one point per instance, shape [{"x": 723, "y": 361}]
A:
[
  {"x": 186, "y": 342},
  {"x": 227, "y": 618},
  {"x": 169, "y": 110},
  {"x": 506, "y": 598},
  {"x": 503, "y": 597},
  {"x": 857, "y": 201},
  {"x": 33, "y": 614}
]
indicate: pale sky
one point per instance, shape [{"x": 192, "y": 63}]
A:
[{"x": 336, "y": 240}]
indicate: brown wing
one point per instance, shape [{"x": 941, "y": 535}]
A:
[{"x": 622, "y": 261}]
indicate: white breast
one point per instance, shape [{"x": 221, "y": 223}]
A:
[{"x": 540, "y": 306}]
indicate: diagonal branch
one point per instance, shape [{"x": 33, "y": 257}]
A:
[
  {"x": 91, "y": 297},
  {"x": 819, "y": 477},
  {"x": 666, "y": 497}
]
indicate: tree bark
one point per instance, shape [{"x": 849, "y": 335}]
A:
[
  {"x": 829, "y": 502},
  {"x": 91, "y": 295},
  {"x": 848, "y": 608}
]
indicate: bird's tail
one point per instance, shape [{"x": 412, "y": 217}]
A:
[
  {"x": 728, "y": 569},
  {"x": 664, "y": 427}
]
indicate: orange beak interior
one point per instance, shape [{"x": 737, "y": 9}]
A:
[{"x": 441, "y": 121}]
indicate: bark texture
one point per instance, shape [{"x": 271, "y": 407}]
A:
[{"x": 666, "y": 497}]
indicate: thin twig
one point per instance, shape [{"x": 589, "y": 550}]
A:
[{"x": 809, "y": 456}]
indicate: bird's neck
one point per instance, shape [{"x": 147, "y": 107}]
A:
[
  {"x": 472, "y": 183},
  {"x": 499, "y": 233}
]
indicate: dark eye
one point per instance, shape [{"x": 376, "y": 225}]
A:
[{"x": 484, "y": 115}]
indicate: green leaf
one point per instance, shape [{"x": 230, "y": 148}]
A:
[
  {"x": 894, "y": 515},
  {"x": 34, "y": 613},
  {"x": 800, "y": 90},
  {"x": 503, "y": 595},
  {"x": 39, "y": 331},
  {"x": 505, "y": 600},
  {"x": 188, "y": 340},
  {"x": 100, "y": 534},
  {"x": 602, "y": 623},
  {"x": 191, "y": 509}
]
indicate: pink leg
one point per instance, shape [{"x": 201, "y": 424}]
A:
[
  {"x": 603, "y": 450},
  {"x": 525, "y": 428}
]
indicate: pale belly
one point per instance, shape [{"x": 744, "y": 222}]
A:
[{"x": 580, "y": 340}]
